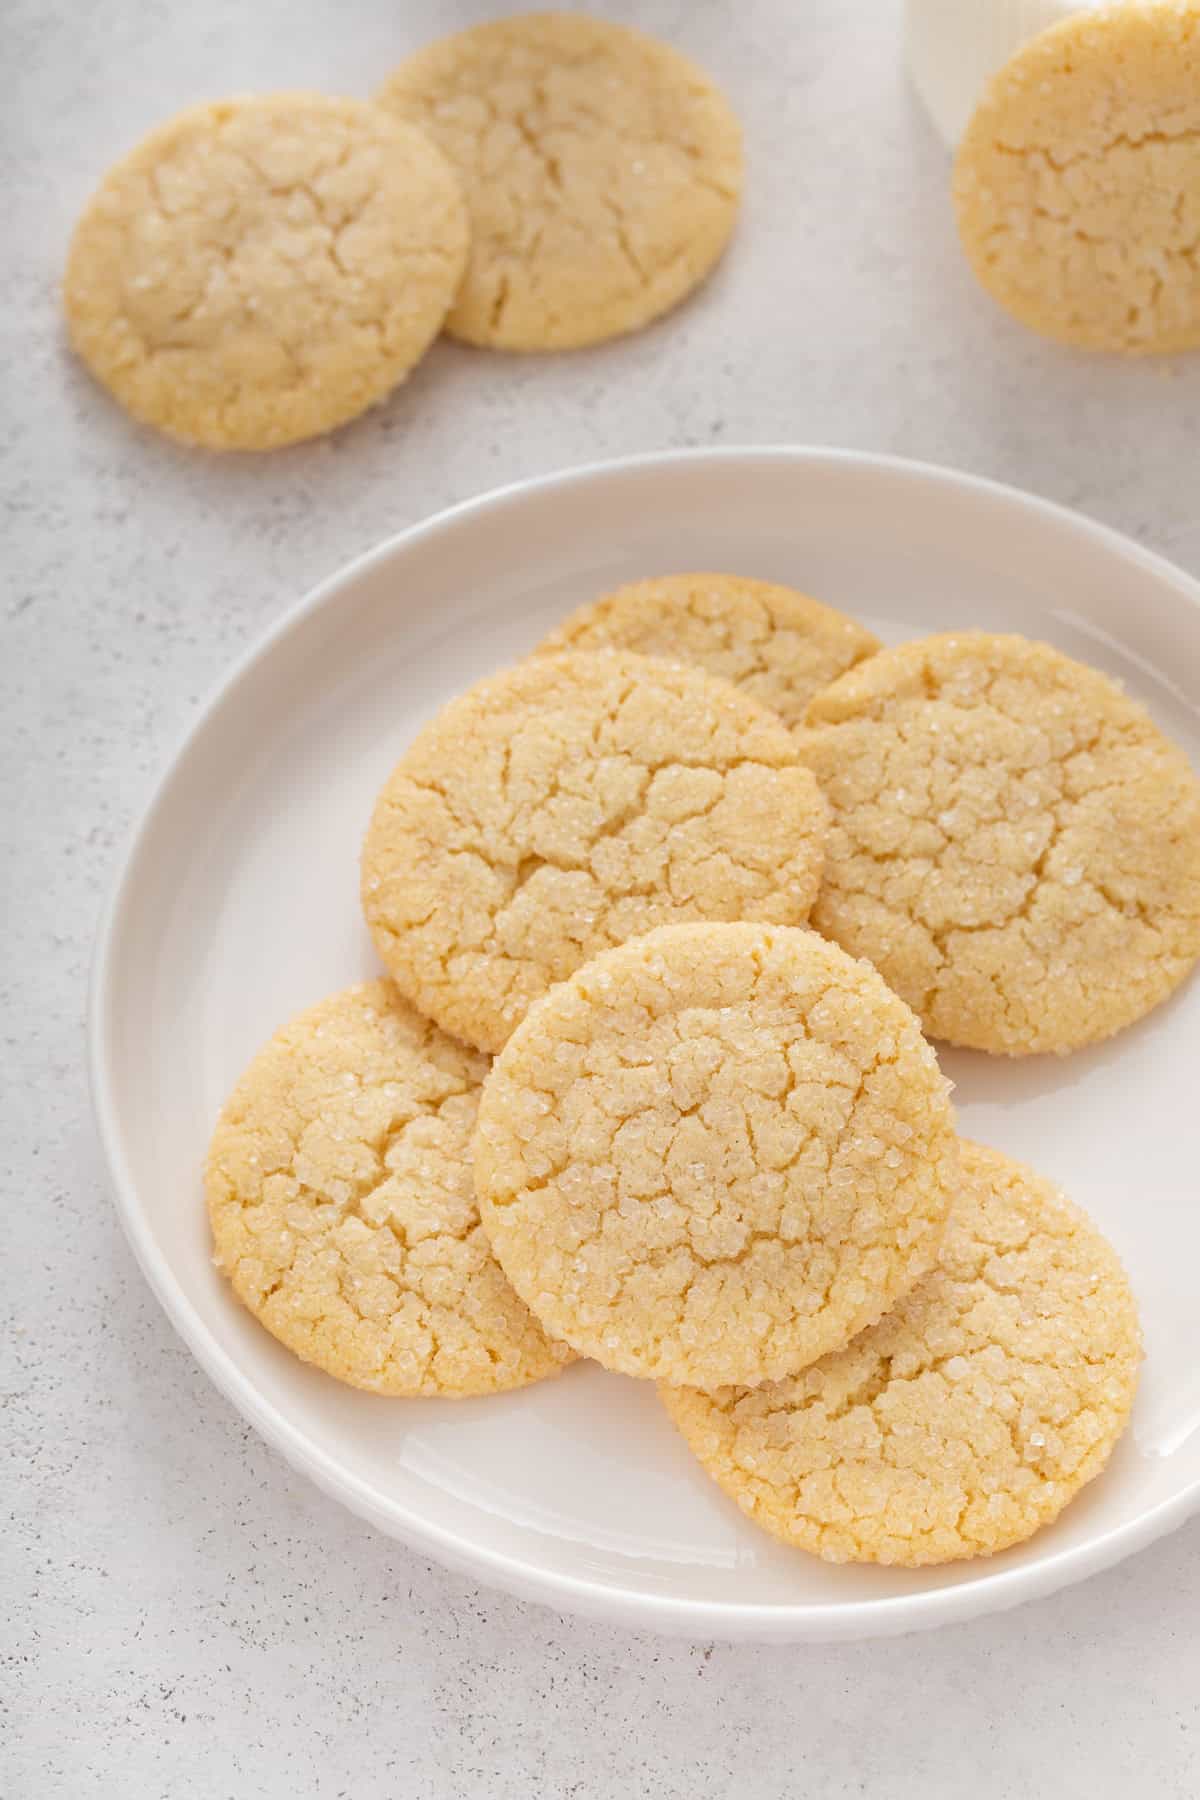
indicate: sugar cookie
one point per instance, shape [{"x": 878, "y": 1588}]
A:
[
  {"x": 1015, "y": 844},
  {"x": 1077, "y": 184},
  {"x": 260, "y": 270},
  {"x": 777, "y": 645},
  {"x": 715, "y": 1153},
  {"x": 339, "y": 1192},
  {"x": 566, "y": 805},
  {"x": 602, "y": 172},
  {"x": 965, "y": 1419}
]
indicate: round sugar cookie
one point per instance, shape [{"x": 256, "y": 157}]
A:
[
  {"x": 1077, "y": 184},
  {"x": 263, "y": 269},
  {"x": 777, "y": 645},
  {"x": 340, "y": 1196},
  {"x": 602, "y": 172},
  {"x": 1015, "y": 844},
  {"x": 966, "y": 1418},
  {"x": 715, "y": 1153},
  {"x": 571, "y": 803}
]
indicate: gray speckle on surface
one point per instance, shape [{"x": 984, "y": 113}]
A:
[{"x": 184, "y": 1616}]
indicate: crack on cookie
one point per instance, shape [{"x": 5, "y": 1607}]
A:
[
  {"x": 1121, "y": 140},
  {"x": 237, "y": 364},
  {"x": 666, "y": 1192},
  {"x": 897, "y": 747},
  {"x": 1067, "y": 206},
  {"x": 864, "y": 1457},
  {"x": 624, "y": 822},
  {"x": 510, "y": 103},
  {"x": 452, "y": 1324},
  {"x": 729, "y": 626}
]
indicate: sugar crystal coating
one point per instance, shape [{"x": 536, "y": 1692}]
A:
[
  {"x": 263, "y": 269},
  {"x": 568, "y": 804},
  {"x": 1077, "y": 184},
  {"x": 1015, "y": 844},
  {"x": 339, "y": 1193},
  {"x": 602, "y": 170},
  {"x": 715, "y": 1153},
  {"x": 966, "y": 1418},
  {"x": 777, "y": 645}
]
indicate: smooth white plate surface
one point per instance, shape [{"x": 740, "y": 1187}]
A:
[{"x": 238, "y": 906}]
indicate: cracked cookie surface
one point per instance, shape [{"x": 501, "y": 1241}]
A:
[
  {"x": 715, "y": 1153},
  {"x": 1077, "y": 184},
  {"x": 340, "y": 1197},
  {"x": 1015, "y": 844},
  {"x": 571, "y": 803},
  {"x": 966, "y": 1418},
  {"x": 602, "y": 171},
  {"x": 261, "y": 270},
  {"x": 777, "y": 645}
]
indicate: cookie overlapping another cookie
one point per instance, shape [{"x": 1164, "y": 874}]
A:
[
  {"x": 566, "y": 805},
  {"x": 342, "y": 1208},
  {"x": 715, "y": 1153},
  {"x": 261, "y": 270},
  {"x": 715, "y": 1149},
  {"x": 965, "y": 1419}
]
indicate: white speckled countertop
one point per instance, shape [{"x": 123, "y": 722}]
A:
[{"x": 184, "y": 1616}]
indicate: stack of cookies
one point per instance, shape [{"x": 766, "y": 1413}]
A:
[{"x": 700, "y": 876}]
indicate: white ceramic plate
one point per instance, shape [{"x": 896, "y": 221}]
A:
[{"x": 238, "y": 905}]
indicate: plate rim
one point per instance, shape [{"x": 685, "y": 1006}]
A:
[{"x": 700, "y": 1620}]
